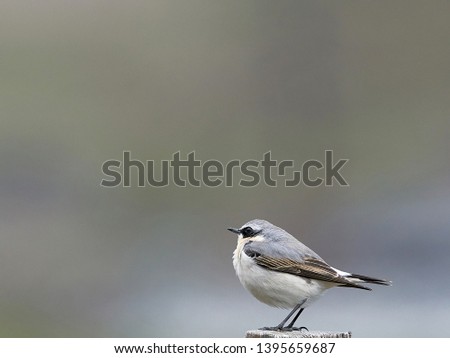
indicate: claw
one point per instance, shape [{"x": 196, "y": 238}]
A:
[
  {"x": 277, "y": 328},
  {"x": 299, "y": 329},
  {"x": 283, "y": 329}
]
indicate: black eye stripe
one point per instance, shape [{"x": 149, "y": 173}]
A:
[{"x": 248, "y": 232}]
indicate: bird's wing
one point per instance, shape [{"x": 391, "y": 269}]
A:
[{"x": 307, "y": 267}]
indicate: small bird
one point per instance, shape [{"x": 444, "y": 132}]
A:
[{"x": 282, "y": 272}]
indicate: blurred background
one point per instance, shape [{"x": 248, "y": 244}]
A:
[{"x": 82, "y": 81}]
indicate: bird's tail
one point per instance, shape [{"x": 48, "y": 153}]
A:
[{"x": 356, "y": 280}]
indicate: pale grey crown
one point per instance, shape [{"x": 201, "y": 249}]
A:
[
  {"x": 278, "y": 242},
  {"x": 268, "y": 230},
  {"x": 265, "y": 229}
]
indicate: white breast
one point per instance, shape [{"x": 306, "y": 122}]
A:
[{"x": 274, "y": 288}]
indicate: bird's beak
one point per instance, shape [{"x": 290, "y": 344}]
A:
[{"x": 236, "y": 231}]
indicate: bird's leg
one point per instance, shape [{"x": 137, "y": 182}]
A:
[
  {"x": 291, "y": 325},
  {"x": 295, "y": 318},
  {"x": 280, "y": 327}
]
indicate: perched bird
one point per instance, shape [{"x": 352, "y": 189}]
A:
[{"x": 282, "y": 272}]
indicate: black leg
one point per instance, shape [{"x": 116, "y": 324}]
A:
[
  {"x": 281, "y": 327},
  {"x": 291, "y": 325},
  {"x": 283, "y": 322},
  {"x": 295, "y": 318}
]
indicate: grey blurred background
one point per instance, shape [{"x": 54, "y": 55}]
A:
[{"x": 82, "y": 81}]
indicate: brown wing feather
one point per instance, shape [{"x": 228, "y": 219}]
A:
[{"x": 310, "y": 268}]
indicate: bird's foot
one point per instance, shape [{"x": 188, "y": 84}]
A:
[
  {"x": 269, "y": 328},
  {"x": 284, "y": 329},
  {"x": 299, "y": 329}
]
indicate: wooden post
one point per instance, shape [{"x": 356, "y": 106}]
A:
[{"x": 257, "y": 333}]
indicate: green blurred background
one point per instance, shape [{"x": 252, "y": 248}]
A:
[{"x": 82, "y": 81}]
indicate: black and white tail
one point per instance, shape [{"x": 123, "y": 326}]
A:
[{"x": 356, "y": 280}]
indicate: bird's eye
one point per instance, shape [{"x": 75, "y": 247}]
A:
[{"x": 247, "y": 231}]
